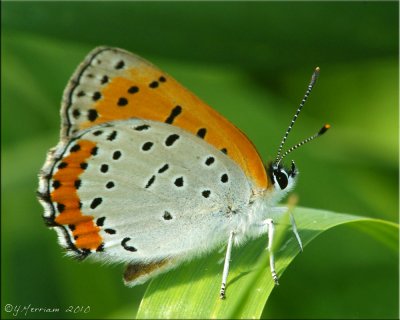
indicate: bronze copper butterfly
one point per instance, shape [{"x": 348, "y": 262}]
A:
[{"x": 147, "y": 174}]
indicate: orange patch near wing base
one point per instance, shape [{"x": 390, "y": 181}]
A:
[
  {"x": 67, "y": 201},
  {"x": 156, "y": 95}
]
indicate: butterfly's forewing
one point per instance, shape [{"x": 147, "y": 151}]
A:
[{"x": 113, "y": 84}]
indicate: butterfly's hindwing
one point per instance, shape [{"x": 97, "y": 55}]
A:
[{"x": 147, "y": 191}]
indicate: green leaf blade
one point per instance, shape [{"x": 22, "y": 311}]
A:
[{"x": 192, "y": 291}]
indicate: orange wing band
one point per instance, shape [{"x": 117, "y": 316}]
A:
[{"x": 85, "y": 232}]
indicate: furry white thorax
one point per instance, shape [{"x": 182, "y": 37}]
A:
[{"x": 264, "y": 205}]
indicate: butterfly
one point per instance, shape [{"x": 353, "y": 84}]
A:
[{"x": 147, "y": 174}]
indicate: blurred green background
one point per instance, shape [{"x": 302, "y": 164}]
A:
[{"x": 252, "y": 62}]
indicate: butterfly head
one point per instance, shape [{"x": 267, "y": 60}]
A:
[{"x": 282, "y": 178}]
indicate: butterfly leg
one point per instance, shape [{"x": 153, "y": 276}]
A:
[
  {"x": 296, "y": 233},
  {"x": 271, "y": 232},
  {"x": 282, "y": 210},
  {"x": 226, "y": 266}
]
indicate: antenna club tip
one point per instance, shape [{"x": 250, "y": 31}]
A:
[
  {"x": 315, "y": 76},
  {"x": 324, "y": 129}
]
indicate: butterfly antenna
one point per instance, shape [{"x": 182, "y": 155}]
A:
[
  {"x": 318, "y": 134},
  {"x": 309, "y": 88}
]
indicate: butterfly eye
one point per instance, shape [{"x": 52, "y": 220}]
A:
[{"x": 282, "y": 178}]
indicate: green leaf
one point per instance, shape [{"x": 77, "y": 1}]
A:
[{"x": 192, "y": 291}]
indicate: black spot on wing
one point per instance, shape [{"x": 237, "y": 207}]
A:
[
  {"x": 77, "y": 183},
  {"x": 60, "y": 207},
  {"x": 174, "y": 113},
  {"x": 75, "y": 148},
  {"x": 120, "y": 65},
  {"x": 171, "y": 139},
  {"x": 154, "y": 84},
  {"x": 126, "y": 247},
  {"x": 209, "y": 161},
  {"x": 76, "y": 113},
  {"x": 150, "y": 182},
  {"x": 206, "y": 193},
  {"x": 97, "y": 132},
  {"x": 163, "y": 168},
  {"x": 142, "y": 127},
  {"x": 122, "y": 101},
  {"x": 116, "y": 155},
  {"x": 201, "y": 133},
  {"x": 112, "y": 136},
  {"x": 96, "y": 202},
  {"x": 179, "y": 182},
  {"x": 83, "y": 165},
  {"x": 147, "y": 146},
  {"x": 167, "y": 215},
  {"x": 96, "y": 96},
  {"x": 104, "y": 80},
  {"x": 56, "y": 184},
  {"x": 100, "y": 221},
  {"x": 94, "y": 151},
  {"x": 92, "y": 115},
  {"x": 110, "y": 185},
  {"x": 133, "y": 89},
  {"x": 110, "y": 231}
]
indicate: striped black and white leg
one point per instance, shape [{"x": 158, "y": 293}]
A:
[
  {"x": 271, "y": 232},
  {"x": 226, "y": 266}
]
